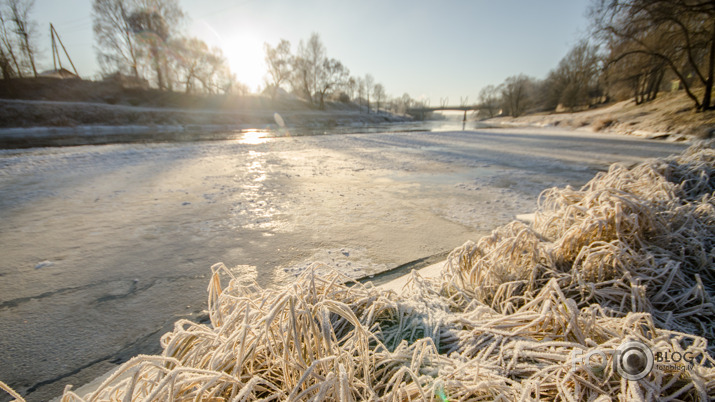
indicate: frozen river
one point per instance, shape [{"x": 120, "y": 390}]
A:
[{"x": 103, "y": 247}]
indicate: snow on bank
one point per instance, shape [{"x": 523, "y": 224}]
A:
[{"x": 670, "y": 117}]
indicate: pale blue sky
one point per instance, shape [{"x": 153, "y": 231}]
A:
[{"x": 432, "y": 49}]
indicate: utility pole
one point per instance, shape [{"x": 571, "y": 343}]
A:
[
  {"x": 463, "y": 103},
  {"x": 56, "y": 52}
]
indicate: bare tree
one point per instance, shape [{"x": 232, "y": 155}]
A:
[
  {"x": 5, "y": 65},
  {"x": 573, "y": 82},
  {"x": 360, "y": 87},
  {"x": 191, "y": 61},
  {"x": 278, "y": 60},
  {"x": 221, "y": 79},
  {"x": 8, "y": 57},
  {"x": 331, "y": 76},
  {"x": 681, "y": 33},
  {"x": 116, "y": 45},
  {"x": 489, "y": 100},
  {"x": 369, "y": 85},
  {"x": 351, "y": 87},
  {"x": 22, "y": 26},
  {"x": 300, "y": 75},
  {"x": 640, "y": 75},
  {"x": 315, "y": 56},
  {"x": 307, "y": 65},
  {"x": 404, "y": 103},
  {"x": 379, "y": 92},
  {"x": 199, "y": 64},
  {"x": 129, "y": 30},
  {"x": 154, "y": 31},
  {"x": 515, "y": 94}
]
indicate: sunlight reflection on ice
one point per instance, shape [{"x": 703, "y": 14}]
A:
[
  {"x": 258, "y": 205},
  {"x": 254, "y": 137},
  {"x": 255, "y": 167}
]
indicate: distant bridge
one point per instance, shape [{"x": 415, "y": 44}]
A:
[{"x": 420, "y": 112}]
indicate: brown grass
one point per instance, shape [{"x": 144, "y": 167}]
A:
[
  {"x": 603, "y": 123},
  {"x": 670, "y": 113}
]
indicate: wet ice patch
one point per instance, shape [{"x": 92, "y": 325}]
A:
[
  {"x": 44, "y": 264},
  {"x": 351, "y": 262},
  {"x": 244, "y": 274},
  {"x": 487, "y": 207}
]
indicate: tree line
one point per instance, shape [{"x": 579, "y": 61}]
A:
[
  {"x": 638, "y": 48},
  {"x": 310, "y": 74},
  {"x": 143, "y": 40},
  {"x": 143, "y": 43},
  {"x": 140, "y": 42}
]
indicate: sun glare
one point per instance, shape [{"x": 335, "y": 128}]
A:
[
  {"x": 254, "y": 137},
  {"x": 244, "y": 53}
]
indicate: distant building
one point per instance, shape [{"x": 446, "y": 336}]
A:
[{"x": 61, "y": 73}]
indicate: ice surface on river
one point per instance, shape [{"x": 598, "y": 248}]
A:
[{"x": 103, "y": 245}]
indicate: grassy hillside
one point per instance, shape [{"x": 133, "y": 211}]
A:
[
  {"x": 109, "y": 92},
  {"x": 68, "y": 103}
]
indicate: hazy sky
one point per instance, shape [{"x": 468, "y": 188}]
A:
[{"x": 432, "y": 49}]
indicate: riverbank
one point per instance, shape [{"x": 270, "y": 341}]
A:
[
  {"x": 50, "y": 112},
  {"x": 32, "y": 123},
  {"x": 670, "y": 117},
  {"x": 16, "y": 113}
]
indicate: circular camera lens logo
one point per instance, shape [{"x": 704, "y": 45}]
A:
[{"x": 633, "y": 360}]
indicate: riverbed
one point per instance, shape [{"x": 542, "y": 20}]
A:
[{"x": 105, "y": 246}]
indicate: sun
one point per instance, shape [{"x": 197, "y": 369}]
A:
[
  {"x": 243, "y": 51},
  {"x": 245, "y": 56}
]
